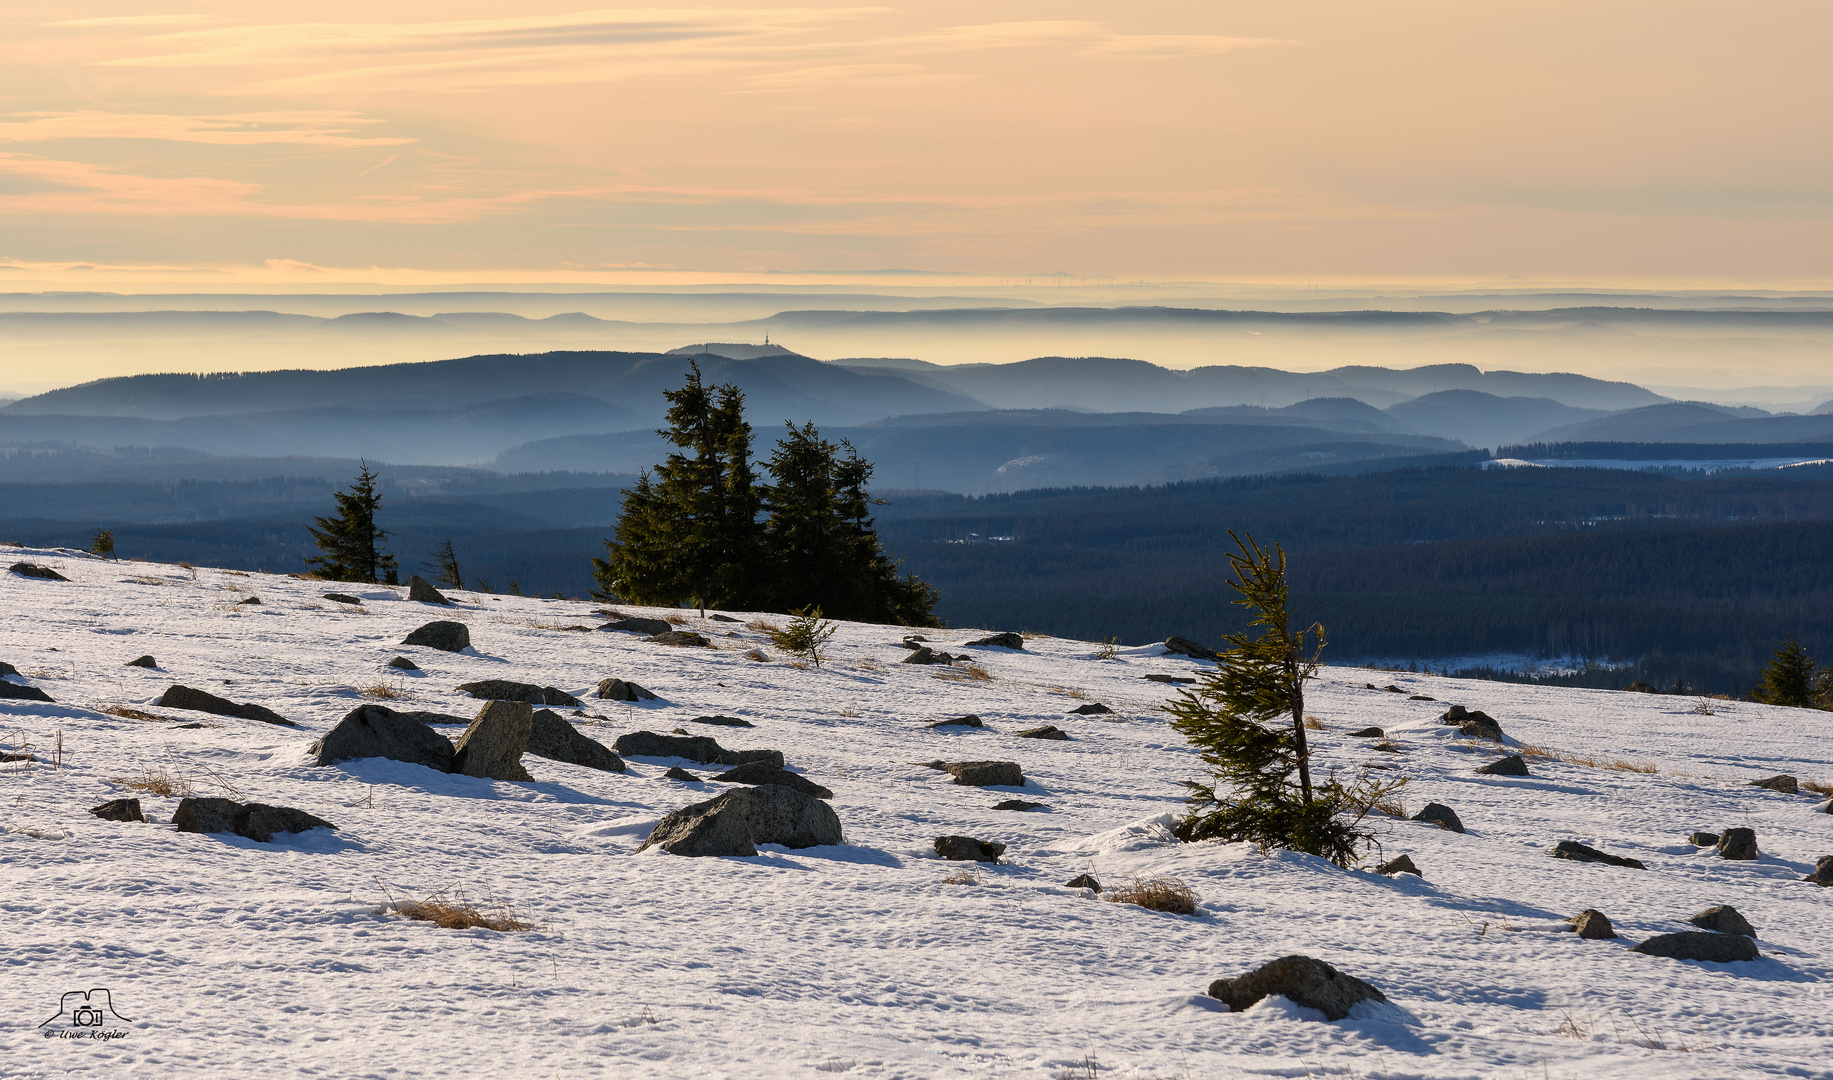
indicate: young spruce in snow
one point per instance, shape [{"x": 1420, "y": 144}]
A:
[
  {"x": 1248, "y": 720},
  {"x": 350, "y": 540}
]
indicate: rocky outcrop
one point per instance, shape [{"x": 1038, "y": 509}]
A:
[
  {"x": 551, "y": 737},
  {"x": 1787, "y": 785},
  {"x": 506, "y": 690},
  {"x": 1302, "y": 980},
  {"x": 968, "y": 849},
  {"x": 492, "y": 746},
  {"x": 33, "y": 570},
  {"x": 736, "y": 822},
  {"x": 17, "y": 692},
  {"x": 444, "y": 635},
  {"x": 255, "y": 821},
  {"x": 184, "y": 697},
  {"x": 375, "y": 731}
]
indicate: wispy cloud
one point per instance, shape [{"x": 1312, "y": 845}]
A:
[
  {"x": 1162, "y": 46},
  {"x": 128, "y": 20},
  {"x": 237, "y": 129}
]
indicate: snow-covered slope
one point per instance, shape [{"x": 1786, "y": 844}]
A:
[{"x": 234, "y": 958}]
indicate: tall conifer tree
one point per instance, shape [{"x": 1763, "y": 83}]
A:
[{"x": 350, "y": 540}]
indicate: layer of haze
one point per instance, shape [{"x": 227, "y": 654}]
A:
[{"x": 233, "y": 144}]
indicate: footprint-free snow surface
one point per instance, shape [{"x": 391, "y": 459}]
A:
[{"x": 226, "y": 957}]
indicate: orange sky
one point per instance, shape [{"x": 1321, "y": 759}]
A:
[{"x": 230, "y": 142}]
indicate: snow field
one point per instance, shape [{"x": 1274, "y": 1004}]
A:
[{"x": 233, "y": 958}]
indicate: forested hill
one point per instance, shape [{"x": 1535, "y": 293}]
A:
[{"x": 1698, "y": 579}]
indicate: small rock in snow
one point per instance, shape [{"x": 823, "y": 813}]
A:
[
  {"x": 1592, "y": 924},
  {"x": 1019, "y": 804},
  {"x": 1739, "y": 843},
  {"x": 1785, "y": 784},
  {"x": 1186, "y": 647},
  {"x": 1302, "y": 980},
  {"x": 184, "y": 697},
  {"x": 1512, "y": 765},
  {"x": 506, "y": 690},
  {"x": 444, "y": 635},
  {"x": 1083, "y": 881},
  {"x": 1093, "y": 708},
  {"x": 1724, "y": 919},
  {"x": 119, "y": 810},
  {"x": 682, "y": 638},
  {"x": 758, "y": 773},
  {"x": 421, "y": 590},
  {"x": 1577, "y": 852},
  {"x": 1442, "y": 816},
  {"x": 1823, "y": 872},
  {"x": 981, "y": 773},
  {"x": 968, "y": 849},
  {"x": 676, "y": 772},
  {"x": 1048, "y": 731},
  {"x": 376, "y": 731},
  {"x": 402, "y": 663},
  {"x": 16, "y": 692},
  {"x": 1003, "y": 641},
  {"x": 553, "y": 738},
  {"x": 1401, "y": 865},
  {"x": 736, "y": 822},
  {"x": 255, "y": 821},
  {"x": 639, "y": 626},
  {"x": 620, "y": 690},
  {"x": 33, "y": 570},
  {"x": 1703, "y": 839},
  {"x": 342, "y": 598},
  {"x": 1698, "y": 945},
  {"x": 970, "y": 720},
  {"x": 1368, "y": 733},
  {"x": 723, "y": 721}
]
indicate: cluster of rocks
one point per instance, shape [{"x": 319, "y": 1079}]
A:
[
  {"x": 505, "y": 690},
  {"x": 622, "y": 690},
  {"x": 492, "y": 744},
  {"x": 1049, "y": 732},
  {"x": 926, "y": 655},
  {"x": 702, "y": 748},
  {"x": 1474, "y": 723}
]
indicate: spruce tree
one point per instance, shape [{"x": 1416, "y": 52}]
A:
[
  {"x": 1789, "y": 678},
  {"x": 1247, "y": 719},
  {"x": 691, "y": 533},
  {"x": 350, "y": 540}
]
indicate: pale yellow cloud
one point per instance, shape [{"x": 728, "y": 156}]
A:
[
  {"x": 819, "y": 78},
  {"x": 110, "y": 21},
  {"x": 313, "y": 128}
]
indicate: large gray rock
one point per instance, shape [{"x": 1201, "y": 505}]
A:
[
  {"x": 556, "y": 740},
  {"x": 1512, "y": 765},
  {"x": 1724, "y": 919},
  {"x": 16, "y": 692},
  {"x": 375, "y": 731},
  {"x": 184, "y": 697},
  {"x": 1739, "y": 843},
  {"x": 1187, "y": 647},
  {"x": 1592, "y": 925},
  {"x": 1700, "y": 945},
  {"x": 758, "y": 773},
  {"x": 506, "y": 690},
  {"x": 968, "y": 849},
  {"x": 444, "y": 635},
  {"x": 981, "y": 773},
  {"x": 1787, "y": 785},
  {"x": 255, "y": 821},
  {"x": 737, "y": 821},
  {"x": 639, "y": 626},
  {"x": 1003, "y": 641},
  {"x": 33, "y": 570},
  {"x": 1577, "y": 852},
  {"x": 1823, "y": 872},
  {"x": 1441, "y": 815},
  {"x": 421, "y": 590},
  {"x": 1301, "y": 980},
  {"x": 620, "y": 690},
  {"x": 492, "y": 746}
]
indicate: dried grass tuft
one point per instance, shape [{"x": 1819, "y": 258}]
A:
[
  {"x": 1312, "y": 723},
  {"x": 155, "y": 782},
  {"x": 675, "y": 620},
  {"x": 962, "y": 877},
  {"x": 1159, "y": 893},
  {"x": 453, "y": 912},
  {"x": 799, "y": 665},
  {"x": 381, "y": 691},
  {"x": 756, "y": 654},
  {"x": 1818, "y": 788},
  {"x": 1391, "y": 807},
  {"x": 763, "y": 626}
]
